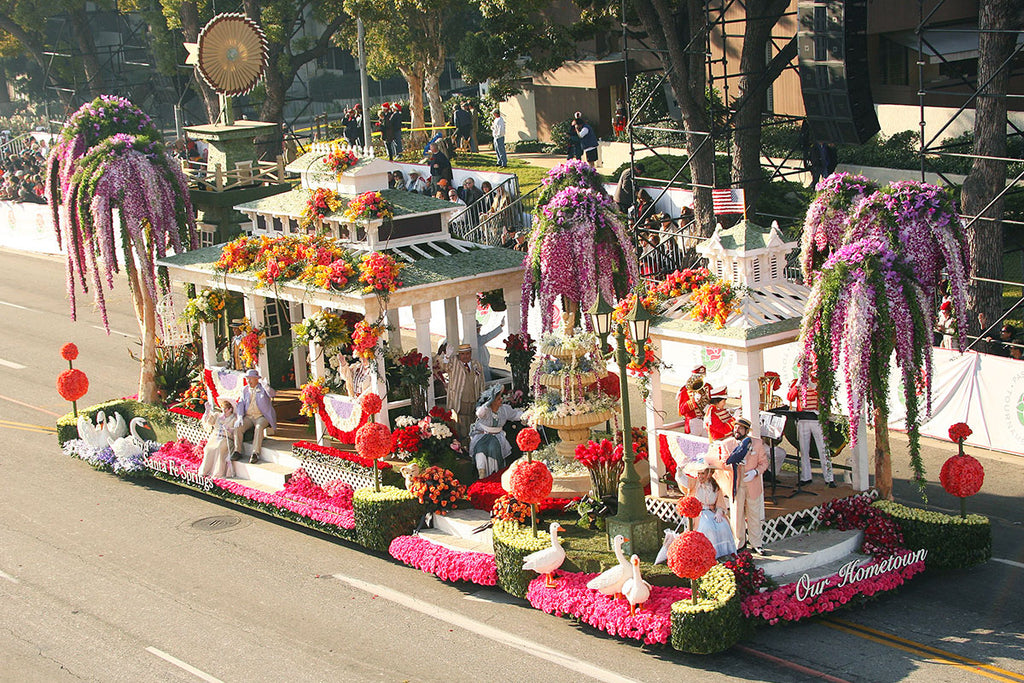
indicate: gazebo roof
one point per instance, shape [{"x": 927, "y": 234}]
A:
[
  {"x": 313, "y": 164},
  {"x": 743, "y": 238},
  {"x": 293, "y": 202},
  {"x": 434, "y": 270}
]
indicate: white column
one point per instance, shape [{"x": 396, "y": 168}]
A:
[
  {"x": 514, "y": 302},
  {"x": 316, "y": 365},
  {"x": 467, "y": 311},
  {"x": 654, "y": 407},
  {"x": 860, "y": 462},
  {"x": 451, "y": 323},
  {"x": 394, "y": 330},
  {"x": 421, "y": 316},
  {"x": 299, "y": 354},
  {"x": 208, "y": 337},
  {"x": 254, "y": 309}
]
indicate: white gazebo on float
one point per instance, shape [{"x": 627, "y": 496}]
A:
[
  {"x": 769, "y": 313},
  {"x": 438, "y": 267}
]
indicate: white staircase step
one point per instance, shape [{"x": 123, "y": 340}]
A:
[
  {"x": 269, "y": 473},
  {"x": 274, "y": 450},
  {"x": 803, "y": 553},
  {"x": 461, "y": 523},
  {"x": 481, "y": 543},
  {"x": 823, "y": 571}
]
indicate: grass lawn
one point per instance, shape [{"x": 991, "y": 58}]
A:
[{"x": 529, "y": 175}]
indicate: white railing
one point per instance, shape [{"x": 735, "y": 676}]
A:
[{"x": 246, "y": 173}]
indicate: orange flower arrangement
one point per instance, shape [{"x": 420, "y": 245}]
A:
[
  {"x": 379, "y": 273},
  {"x": 364, "y": 339},
  {"x": 369, "y": 206},
  {"x": 250, "y": 344},
  {"x": 438, "y": 489},
  {"x": 713, "y": 301},
  {"x": 340, "y": 161},
  {"x": 322, "y": 202},
  {"x": 312, "y": 397}
]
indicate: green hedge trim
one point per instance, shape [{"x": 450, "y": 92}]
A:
[
  {"x": 952, "y": 542},
  {"x": 159, "y": 418},
  {"x": 513, "y": 542},
  {"x": 716, "y": 622},
  {"x": 269, "y": 510},
  {"x": 382, "y": 516}
]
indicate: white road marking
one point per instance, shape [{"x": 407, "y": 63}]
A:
[
  {"x": 497, "y": 635},
  {"x": 1018, "y": 565},
  {"x": 8, "y": 303},
  {"x": 4, "y": 575},
  {"x": 11, "y": 364},
  {"x": 183, "y": 665},
  {"x": 123, "y": 334}
]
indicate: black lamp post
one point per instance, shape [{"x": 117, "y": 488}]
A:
[{"x": 632, "y": 520}]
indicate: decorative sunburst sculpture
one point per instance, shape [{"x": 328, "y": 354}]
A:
[{"x": 232, "y": 54}]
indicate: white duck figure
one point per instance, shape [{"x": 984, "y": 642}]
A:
[
  {"x": 546, "y": 561},
  {"x": 670, "y": 536},
  {"x": 636, "y": 590},
  {"x": 115, "y": 427},
  {"x": 129, "y": 446},
  {"x": 609, "y": 582},
  {"x": 93, "y": 434}
]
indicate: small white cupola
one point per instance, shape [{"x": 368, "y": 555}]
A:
[{"x": 747, "y": 254}]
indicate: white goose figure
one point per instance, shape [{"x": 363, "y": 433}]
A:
[
  {"x": 129, "y": 446},
  {"x": 115, "y": 427},
  {"x": 93, "y": 434},
  {"x": 636, "y": 590},
  {"x": 609, "y": 582},
  {"x": 546, "y": 561}
]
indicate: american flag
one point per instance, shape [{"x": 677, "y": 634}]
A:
[{"x": 727, "y": 201}]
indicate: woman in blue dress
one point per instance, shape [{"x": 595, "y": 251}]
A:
[{"x": 713, "y": 521}]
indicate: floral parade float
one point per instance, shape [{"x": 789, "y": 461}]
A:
[{"x": 350, "y": 269}]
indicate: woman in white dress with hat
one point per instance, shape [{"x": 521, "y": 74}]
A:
[{"x": 488, "y": 444}]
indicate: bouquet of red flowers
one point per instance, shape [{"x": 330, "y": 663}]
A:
[
  {"x": 604, "y": 460},
  {"x": 369, "y": 206},
  {"x": 959, "y": 432},
  {"x": 379, "y": 272},
  {"x": 340, "y": 161},
  {"x": 322, "y": 202}
]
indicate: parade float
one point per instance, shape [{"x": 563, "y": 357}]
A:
[{"x": 344, "y": 245}]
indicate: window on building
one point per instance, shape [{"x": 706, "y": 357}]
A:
[
  {"x": 206, "y": 236},
  {"x": 755, "y": 270},
  {"x": 895, "y": 62},
  {"x": 773, "y": 270},
  {"x": 274, "y": 317}
]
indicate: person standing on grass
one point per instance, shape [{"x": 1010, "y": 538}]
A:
[{"x": 498, "y": 133}]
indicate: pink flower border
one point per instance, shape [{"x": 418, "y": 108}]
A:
[
  {"x": 652, "y": 624},
  {"x": 444, "y": 563}
]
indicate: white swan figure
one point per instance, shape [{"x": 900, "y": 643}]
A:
[
  {"x": 115, "y": 427},
  {"x": 93, "y": 434},
  {"x": 129, "y": 446},
  {"x": 609, "y": 582},
  {"x": 546, "y": 561},
  {"x": 636, "y": 590}
]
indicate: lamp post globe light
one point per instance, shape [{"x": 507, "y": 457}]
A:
[{"x": 632, "y": 520}]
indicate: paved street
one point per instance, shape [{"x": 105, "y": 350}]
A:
[{"x": 101, "y": 579}]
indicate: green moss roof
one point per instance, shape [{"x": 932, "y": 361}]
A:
[
  {"x": 685, "y": 325},
  {"x": 313, "y": 162},
  {"x": 293, "y": 202},
  {"x": 745, "y": 235}
]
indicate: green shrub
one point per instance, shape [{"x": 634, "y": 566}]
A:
[
  {"x": 716, "y": 622},
  {"x": 513, "y": 542},
  {"x": 159, "y": 419},
  {"x": 382, "y": 516},
  {"x": 952, "y": 542}
]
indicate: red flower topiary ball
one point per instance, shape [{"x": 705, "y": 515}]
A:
[
  {"x": 72, "y": 384},
  {"x": 531, "y": 482},
  {"x": 370, "y": 403},
  {"x": 962, "y": 476},
  {"x": 69, "y": 351},
  {"x": 373, "y": 440},
  {"x": 691, "y": 555},
  {"x": 528, "y": 440},
  {"x": 689, "y": 507}
]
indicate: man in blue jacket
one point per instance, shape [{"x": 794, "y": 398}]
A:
[{"x": 255, "y": 410}]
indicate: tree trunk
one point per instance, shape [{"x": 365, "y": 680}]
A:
[
  {"x": 883, "y": 459},
  {"x": 145, "y": 313},
  {"x": 988, "y": 176},
  {"x": 432, "y": 84},
  {"x": 762, "y": 15},
  {"x": 188, "y": 14},
  {"x": 86, "y": 45},
  {"x": 414, "y": 78}
]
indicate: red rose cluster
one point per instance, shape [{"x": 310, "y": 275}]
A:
[
  {"x": 373, "y": 440},
  {"x": 689, "y": 507},
  {"x": 962, "y": 476},
  {"x": 72, "y": 384},
  {"x": 596, "y": 453},
  {"x": 528, "y": 440},
  {"x": 959, "y": 432},
  {"x": 531, "y": 482},
  {"x": 370, "y": 403},
  {"x": 691, "y": 555}
]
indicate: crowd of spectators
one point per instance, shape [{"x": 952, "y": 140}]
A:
[{"x": 21, "y": 172}]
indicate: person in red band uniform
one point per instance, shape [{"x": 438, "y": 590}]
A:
[
  {"x": 718, "y": 421},
  {"x": 693, "y": 398},
  {"x": 808, "y": 427}
]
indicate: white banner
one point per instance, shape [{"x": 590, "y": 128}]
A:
[{"x": 27, "y": 227}]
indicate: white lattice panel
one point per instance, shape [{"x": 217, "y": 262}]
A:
[
  {"x": 322, "y": 473},
  {"x": 665, "y": 510},
  {"x": 190, "y": 429}
]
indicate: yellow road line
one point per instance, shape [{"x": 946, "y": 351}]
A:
[
  {"x": 927, "y": 653},
  {"x": 929, "y": 648},
  {"x": 28, "y": 429},
  {"x": 26, "y": 424}
]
